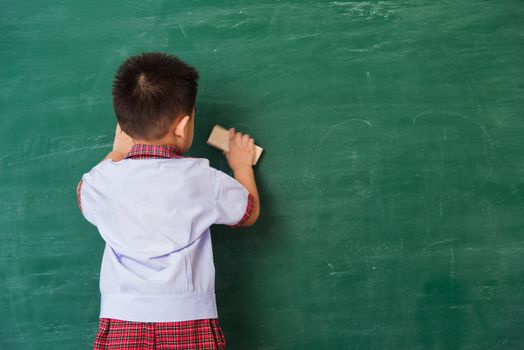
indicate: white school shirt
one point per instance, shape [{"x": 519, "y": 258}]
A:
[{"x": 153, "y": 210}]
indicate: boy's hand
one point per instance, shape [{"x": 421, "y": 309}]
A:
[
  {"x": 123, "y": 142},
  {"x": 241, "y": 151}
]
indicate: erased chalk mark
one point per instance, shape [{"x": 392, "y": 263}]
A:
[
  {"x": 444, "y": 241},
  {"x": 239, "y": 24},
  {"x": 183, "y": 31}
]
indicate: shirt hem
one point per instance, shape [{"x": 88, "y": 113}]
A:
[{"x": 152, "y": 308}]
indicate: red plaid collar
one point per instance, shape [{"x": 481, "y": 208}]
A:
[{"x": 142, "y": 151}]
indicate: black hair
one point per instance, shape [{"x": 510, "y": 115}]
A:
[{"x": 150, "y": 91}]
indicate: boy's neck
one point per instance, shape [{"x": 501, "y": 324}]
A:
[
  {"x": 165, "y": 141},
  {"x": 154, "y": 143}
]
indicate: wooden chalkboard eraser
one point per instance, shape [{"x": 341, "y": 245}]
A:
[{"x": 219, "y": 138}]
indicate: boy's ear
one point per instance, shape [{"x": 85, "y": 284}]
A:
[{"x": 180, "y": 129}]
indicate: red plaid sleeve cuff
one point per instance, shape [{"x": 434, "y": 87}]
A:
[
  {"x": 249, "y": 210},
  {"x": 78, "y": 188}
]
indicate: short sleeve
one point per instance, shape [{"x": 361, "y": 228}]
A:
[
  {"x": 88, "y": 198},
  {"x": 233, "y": 203}
]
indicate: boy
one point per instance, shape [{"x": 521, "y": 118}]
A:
[{"x": 153, "y": 207}]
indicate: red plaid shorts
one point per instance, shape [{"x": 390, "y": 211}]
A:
[{"x": 126, "y": 335}]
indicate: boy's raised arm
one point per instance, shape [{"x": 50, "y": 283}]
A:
[{"x": 240, "y": 159}]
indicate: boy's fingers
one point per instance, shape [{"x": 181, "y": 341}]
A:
[{"x": 238, "y": 137}]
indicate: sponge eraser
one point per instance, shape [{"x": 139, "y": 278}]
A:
[{"x": 219, "y": 138}]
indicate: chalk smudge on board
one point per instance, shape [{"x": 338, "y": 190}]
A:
[{"x": 183, "y": 31}]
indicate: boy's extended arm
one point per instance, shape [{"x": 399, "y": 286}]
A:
[
  {"x": 247, "y": 178},
  {"x": 240, "y": 159}
]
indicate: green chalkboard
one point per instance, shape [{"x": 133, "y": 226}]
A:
[{"x": 392, "y": 181}]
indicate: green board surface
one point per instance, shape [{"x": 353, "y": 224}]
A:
[{"x": 392, "y": 182}]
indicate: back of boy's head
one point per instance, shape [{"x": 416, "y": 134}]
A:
[{"x": 150, "y": 91}]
